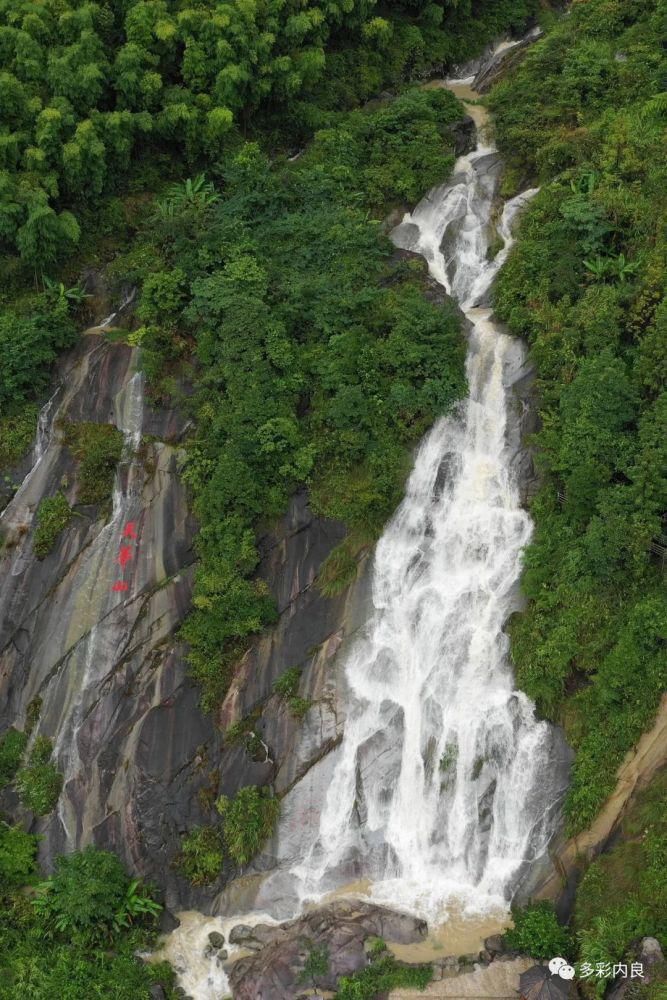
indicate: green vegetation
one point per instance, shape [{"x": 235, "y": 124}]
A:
[
  {"x": 39, "y": 783},
  {"x": 53, "y": 516},
  {"x": 316, "y": 965},
  {"x": 537, "y": 933},
  {"x": 623, "y": 895},
  {"x": 584, "y": 116},
  {"x": 32, "y": 332},
  {"x": 383, "y": 974},
  {"x": 346, "y": 373},
  {"x": 90, "y": 899},
  {"x": 77, "y": 936},
  {"x": 91, "y": 92},
  {"x": 16, "y": 434},
  {"x": 97, "y": 448},
  {"x": 249, "y": 820},
  {"x": 12, "y": 748},
  {"x": 18, "y": 850},
  {"x": 287, "y": 687},
  {"x": 339, "y": 569},
  {"x": 202, "y": 855},
  {"x": 449, "y": 757}
]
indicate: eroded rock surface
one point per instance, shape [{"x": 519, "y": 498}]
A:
[
  {"x": 142, "y": 763},
  {"x": 339, "y": 930}
]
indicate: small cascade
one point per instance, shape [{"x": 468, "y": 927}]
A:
[{"x": 95, "y": 651}]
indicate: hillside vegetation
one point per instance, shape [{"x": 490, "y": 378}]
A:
[{"x": 585, "y": 117}]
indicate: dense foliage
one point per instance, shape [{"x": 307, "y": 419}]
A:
[
  {"x": 39, "y": 782},
  {"x": 536, "y": 932},
  {"x": 98, "y": 448},
  {"x": 249, "y": 819},
  {"x": 53, "y": 516},
  {"x": 623, "y": 895},
  {"x": 585, "y": 117},
  {"x": 86, "y": 86},
  {"x": 320, "y": 360},
  {"x": 381, "y": 975},
  {"x": 75, "y": 935}
]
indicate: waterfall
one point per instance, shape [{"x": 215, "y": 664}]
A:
[
  {"x": 442, "y": 792},
  {"x": 445, "y": 789}
]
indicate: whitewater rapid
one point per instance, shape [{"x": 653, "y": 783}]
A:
[
  {"x": 442, "y": 791},
  {"x": 445, "y": 789}
]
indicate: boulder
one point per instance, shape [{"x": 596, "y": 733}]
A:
[
  {"x": 168, "y": 922},
  {"x": 464, "y": 134},
  {"x": 650, "y": 952},
  {"x": 276, "y": 972},
  {"x": 216, "y": 939},
  {"x": 494, "y": 944}
]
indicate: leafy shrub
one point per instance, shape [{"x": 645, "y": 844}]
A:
[
  {"x": 382, "y": 975},
  {"x": 90, "y": 899},
  {"x": 53, "y": 516},
  {"x": 287, "y": 685},
  {"x": 17, "y": 433},
  {"x": 537, "y": 933},
  {"x": 28, "y": 346},
  {"x": 202, "y": 855},
  {"x": 449, "y": 757},
  {"x": 98, "y": 449},
  {"x": 39, "y": 784},
  {"x": 17, "y": 856},
  {"x": 249, "y": 820},
  {"x": 12, "y": 748},
  {"x": 316, "y": 965},
  {"x": 339, "y": 569},
  {"x": 39, "y": 787}
]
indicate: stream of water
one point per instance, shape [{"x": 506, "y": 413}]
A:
[
  {"x": 442, "y": 787},
  {"x": 443, "y": 792}
]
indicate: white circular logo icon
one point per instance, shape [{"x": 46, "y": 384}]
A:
[
  {"x": 556, "y": 964},
  {"x": 566, "y": 972}
]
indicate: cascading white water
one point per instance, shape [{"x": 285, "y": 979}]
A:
[
  {"x": 441, "y": 792},
  {"x": 443, "y": 789}
]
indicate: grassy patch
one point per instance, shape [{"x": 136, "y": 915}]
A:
[
  {"x": 17, "y": 433},
  {"x": 339, "y": 569},
  {"x": 383, "y": 974},
  {"x": 97, "y": 448},
  {"x": 39, "y": 783},
  {"x": 53, "y": 516},
  {"x": 202, "y": 855},
  {"x": 12, "y": 748}
]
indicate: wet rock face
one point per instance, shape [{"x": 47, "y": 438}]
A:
[
  {"x": 115, "y": 698},
  {"x": 495, "y": 66},
  {"x": 142, "y": 764},
  {"x": 338, "y": 931}
]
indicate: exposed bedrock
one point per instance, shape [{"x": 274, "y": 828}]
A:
[
  {"x": 340, "y": 929},
  {"x": 142, "y": 763}
]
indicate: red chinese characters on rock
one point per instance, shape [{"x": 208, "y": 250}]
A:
[{"x": 125, "y": 554}]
